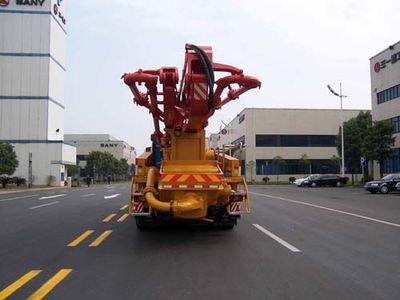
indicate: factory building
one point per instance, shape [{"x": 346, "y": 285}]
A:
[
  {"x": 261, "y": 134},
  {"x": 86, "y": 143},
  {"x": 32, "y": 72},
  {"x": 385, "y": 97}
]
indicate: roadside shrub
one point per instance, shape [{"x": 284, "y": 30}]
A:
[
  {"x": 4, "y": 180},
  {"x": 18, "y": 180},
  {"x": 50, "y": 180},
  {"x": 292, "y": 179},
  {"x": 265, "y": 179}
]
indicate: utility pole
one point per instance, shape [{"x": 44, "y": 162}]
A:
[
  {"x": 341, "y": 96},
  {"x": 30, "y": 177}
]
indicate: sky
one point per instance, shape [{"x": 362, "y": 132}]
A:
[{"x": 294, "y": 47}]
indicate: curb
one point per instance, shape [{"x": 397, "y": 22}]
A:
[{"x": 32, "y": 190}]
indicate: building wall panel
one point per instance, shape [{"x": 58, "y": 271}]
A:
[{"x": 55, "y": 121}]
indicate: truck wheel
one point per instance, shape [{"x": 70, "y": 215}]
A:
[
  {"x": 313, "y": 184},
  {"x": 384, "y": 189}
]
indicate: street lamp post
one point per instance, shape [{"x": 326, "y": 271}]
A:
[{"x": 341, "y": 96}]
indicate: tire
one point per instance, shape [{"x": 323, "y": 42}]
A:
[
  {"x": 338, "y": 184},
  {"x": 384, "y": 189},
  {"x": 140, "y": 225},
  {"x": 313, "y": 184}
]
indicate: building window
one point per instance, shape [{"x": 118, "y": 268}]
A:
[
  {"x": 392, "y": 164},
  {"x": 241, "y": 118},
  {"x": 81, "y": 157},
  {"x": 388, "y": 94},
  {"x": 270, "y": 140},
  {"x": 293, "y": 166},
  {"x": 396, "y": 124}
]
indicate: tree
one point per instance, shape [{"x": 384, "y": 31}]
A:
[
  {"x": 250, "y": 166},
  {"x": 100, "y": 163},
  {"x": 335, "y": 162},
  {"x": 279, "y": 163},
  {"x": 304, "y": 162},
  {"x": 73, "y": 170},
  {"x": 356, "y": 131},
  {"x": 8, "y": 161},
  {"x": 379, "y": 142},
  {"x": 122, "y": 168},
  {"x": 363, "y": 137}
]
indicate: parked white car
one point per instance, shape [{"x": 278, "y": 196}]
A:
[{"x": 299, "y": 182}]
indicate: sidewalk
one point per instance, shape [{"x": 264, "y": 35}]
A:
[{"x": 14, "y": 191}]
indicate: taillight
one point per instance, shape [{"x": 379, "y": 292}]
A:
[{"x": 236, "y": 197}]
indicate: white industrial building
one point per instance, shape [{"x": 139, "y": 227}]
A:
[
  {"x": 260, "y": 134},
  {"x": 86, "y": 143},
  {"x": 385, "y": 97},
  {"x": 32, "y": 73}
]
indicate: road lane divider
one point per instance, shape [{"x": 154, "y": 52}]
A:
[
  {"x": 111, "y": 196},
  {"x": 80, "y": 238},
  {"x": 51, "y": 197},
  {"x": 124, "y": 207},
  {"x": 329, "y": 209},
  {"x": 88, "y": 195},
  {"x": 16, "y": 198},
  {"x": 277, "y": 238},
  {"x": 44, "y": 205},
  {"x": 18, "y": 284},
  {"x": 101, "y": 238},
  {"x": 49, "y": 285},
  {"x": 109, "y": 218},
  {"x": 124, "y": 216}
]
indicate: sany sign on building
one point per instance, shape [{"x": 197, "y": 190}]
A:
[
  {"x": 59, "y": 11},
  {"x": 4, "y": 3},
  {"x": 395, "y": 57}
]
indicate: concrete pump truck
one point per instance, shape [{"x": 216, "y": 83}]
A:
[{"x": 179, "y": 177}]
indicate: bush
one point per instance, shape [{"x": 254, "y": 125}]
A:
[
  {"x": 50, "y": 180},
  {"x": 4, "y": 180},
  {"x": 292, "y": 179},
  {"x": 265, "y": 179},
  {"x": 19, "y": 180}
]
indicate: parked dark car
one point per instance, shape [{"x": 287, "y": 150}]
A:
[
  {"x": 384, "y": 185},
  {"x": 325, "y": 180}
]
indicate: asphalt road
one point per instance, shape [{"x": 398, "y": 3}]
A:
[{"x": 298, "y": 243}]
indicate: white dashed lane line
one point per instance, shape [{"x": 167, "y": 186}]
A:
[
  {"x": 88, "y": 195},
  {"x": 44, "y": 205},
  {"x": 276, "y": 238},
  {"x": 329, "y": 209},
  {"x": 16, "y": 198},
  {"x": 111, "y": 196},
  {"x": 51, "y": 197}
]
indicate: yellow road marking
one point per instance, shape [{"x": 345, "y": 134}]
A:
[
  {"x": 124, "y": 216},
  {"x": 109, "y": 217},
  {"x": 168, "y": 177},
  {"x": 183, "y": 178},
  {"x": 101, "y": 238},
  {"x": 79, "y": 239},
  {"x": 18, "y": 283},
  {"x": 199, "y": 178},
  {"x": 124, "y": 207},
  {"x": 50, "y": 284}
]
